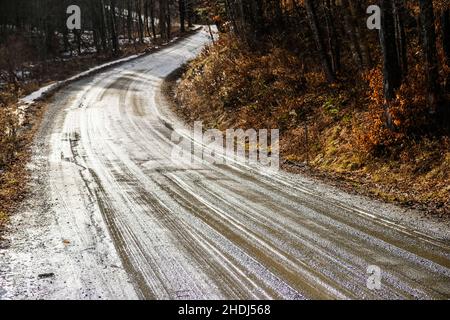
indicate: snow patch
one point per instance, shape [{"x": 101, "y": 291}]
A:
[{"x": 44, "y": 91}]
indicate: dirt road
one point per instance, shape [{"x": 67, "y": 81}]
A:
[{"x": 111, "y": 216}]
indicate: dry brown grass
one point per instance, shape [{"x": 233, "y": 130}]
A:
[
  {"x": 12, "y": 168},
  {"x": 13, "y": 173},
  {"x": 230, "y": 87}
]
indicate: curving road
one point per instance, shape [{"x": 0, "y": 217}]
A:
[{"x": 111, "y": 216}]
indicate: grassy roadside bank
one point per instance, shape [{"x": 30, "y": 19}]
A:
[
  {"x": 13, "y": 173},
  {"x": 326, "y": 130}
]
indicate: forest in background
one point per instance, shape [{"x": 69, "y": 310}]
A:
[
  {"x": 35, "y": 32},
  {"x": 365, "y": 107}
]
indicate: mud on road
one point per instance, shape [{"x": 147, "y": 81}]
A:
[{"x": 112, "y": 217}]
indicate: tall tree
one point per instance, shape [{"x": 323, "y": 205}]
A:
[
  {"x": 445, "y": 26},
  {"x": 162, "y": 19},
  {"x": 129, "y": 20},
  {"x": 315, "y": 26},
  {"x": 391, "y": 65},
  {"x": 333, "y": 40},
  {"x": 113, "y": 27},
  {"x": 140, "y": 22},
  {"x": 182, "y": 10},
  {"x": 429, "y": 48},
  {"x": 399, "y": 12}
]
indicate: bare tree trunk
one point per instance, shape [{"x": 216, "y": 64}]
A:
[
  {"x": 189, "y": 13},
  {"x": 445, "y": 23},
  {"x": 168, "y": 20},
  {"x": 113, "y": 27},
  {"x": 401, "y": 36},
  {"x": 162, "y": 20},
  {"x": 334, "y": 42},
  {"x": 429, "y": 48},
  {"x": 358, "y": 13},
  {"x": 350, "y": 29},
  {"x": 139, "y": 20},
  {"x": 314, "y": 22},
  {"x": 129, "y": 21},
  {"x": 152, "y": 17},
  {"x": 146, "y": 19},
  {"x": 182, "y": 8},
  {"x": 391, "y": 64}
]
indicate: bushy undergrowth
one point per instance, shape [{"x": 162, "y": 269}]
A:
[
  {"x": 228, "y": 79},
  {"x": 10, "y": 151},
  {"x": 8, "y": 128},
  {"x": 8, "y": 136},
  {"x": 339, "y": 129}
]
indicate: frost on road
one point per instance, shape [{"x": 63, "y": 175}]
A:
[{"x": 111, "y": 216}]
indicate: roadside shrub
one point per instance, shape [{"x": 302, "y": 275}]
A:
[
  {"x": 229, "y": 78},
  {"x": 8, "y": 136},
  {"x": 410, "y": 117}
]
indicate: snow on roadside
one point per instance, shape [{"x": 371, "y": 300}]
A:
[
  {"x": 36, "y": 95},
  {"x": 26, "y": 102},
  {"x": 45, "y": 91}
]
